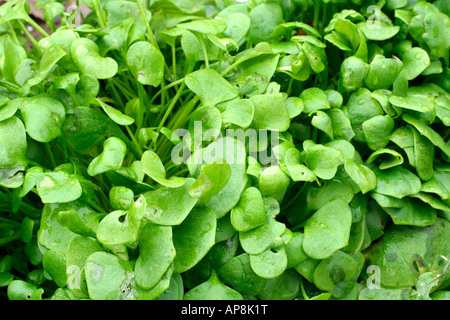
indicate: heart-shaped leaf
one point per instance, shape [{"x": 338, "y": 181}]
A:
[
  {"x": 86, "y": 56},
  {"x": 111, "y": 158}
]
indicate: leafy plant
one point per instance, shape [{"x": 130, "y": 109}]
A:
[{"x": 225, "y": 150}]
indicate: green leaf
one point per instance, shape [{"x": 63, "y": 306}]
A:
[
  {"x": 193, "y": 238},
  {"x": 58, "y": 187},
  {"x": 249, "y": 213},
  {"x": 270, "y": 112},
  {"x": 233, "y": 152},
  {"x": 154, "y": 168},
  {"x": 284, "y": 287},
  {"x": 379, "y": 31},
  {"x": 323, "y": 161},
  {"x": 156, "y": 253},
  {"x": 269, "y": 264},
  {"x": 122, "y": 227},
  {"x": 330, "y": 272},
  {"x": 106, "y": 275},
  {"x": 114, "y": 114},
  {"x": 44, "y": 117},
  {"x": 238, "y": 273},
  {"x": 314, "y": 99},
  {"x": 377, "y": 131},
  {"x": 212, "y": 179},
  {"x": 328, "y": 230},
  {"x": 297, "y": 170},
  {"x": 406, "y": 182},
  {"x": 146, "y": 63},
  {"x": 13, "y": 152},
  {"x": 170, "y": 206},
  {"x": 415, "y": 60},
  {"x": 377, "y": 77},
  {"x": 210, "y": 86},
  {"x": 111, "y": 158},
  {"x": 361, "y": 175},
  {"x": 264, "y": 18},
  {"x": 212, "y": 289},
  {"x": 86, "y": 56},
  {"x": 239, "y": 112},
  {"x": 260, "y": 239}
]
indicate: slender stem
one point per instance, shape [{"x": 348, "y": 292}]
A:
[
  {"x": 150, "y": 34},
  {"x": 302, "y": 288},
  {"x": 99, "y": 13},
  {"x": 50, "y": 155},
  {"x": 171, "y": 106},
  {"x": 205, "y": 53},
  {"x": 37, "y": 27},
  {"x": 29, "y": 36},
  {"x": 174, "y": 64},
  {"x": 134, "y": 141}
]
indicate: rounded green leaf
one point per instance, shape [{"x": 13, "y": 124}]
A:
[
  {"x": 415, "y": 60},
  {"x": 43, "y": 117},
  {"x": 269, "y": 264},
  {"x": 146, "y": 63},
  {"x": 156, "y": 253},
  {"x": 111, "y": 158},
  {"x": 377, "y": 131},
  {"x": 328, "y": 230},
  {"x": 194, "y": 237},
  {"x": 122, "y": 227},
  {"x": 58, "y": 187},
  {"x": 314, "y": 99},
  {"x": 106, "y": 275},
  {"x": 361, "y": 175},
  {"x": 170, "y": 206},
  {"x": 264, "y": 18},
  {"x": 88, "y": 60},
  {"x": 249, "y": 213},
  {"x": 284, "y": 287},
  {"x": 238, "y": 273},
  {"x": 210, "y": 86},
  {"x": 340, "y": 267},
  {"x": 13, "y": 152},
  {"x": 260, "y": 239},
  {"x": 212, "y": 289},
  {"x": 323, "y": 161},
  {"x": 239, "y": 112},
  {"x": 154, "y": 168},
  {"x": 397, "y": 182}
]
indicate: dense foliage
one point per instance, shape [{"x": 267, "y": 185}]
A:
[{"x": 101, "y": 198}]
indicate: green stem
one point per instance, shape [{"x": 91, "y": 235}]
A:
[
  {"x": 50, "y": 155},
  {"x": 302, "y": 288},
  {"x": 134, "y": 141},
  {"x": 99, "y": 13},
  {"x": 29, "y": 36},
  {"x": 35, "y": 25},
  {"x": 171, "y": 106},
  {"x": 205, "y": 53}
]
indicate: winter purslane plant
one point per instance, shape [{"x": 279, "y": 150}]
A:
[{"x": 225, "y": 150}]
